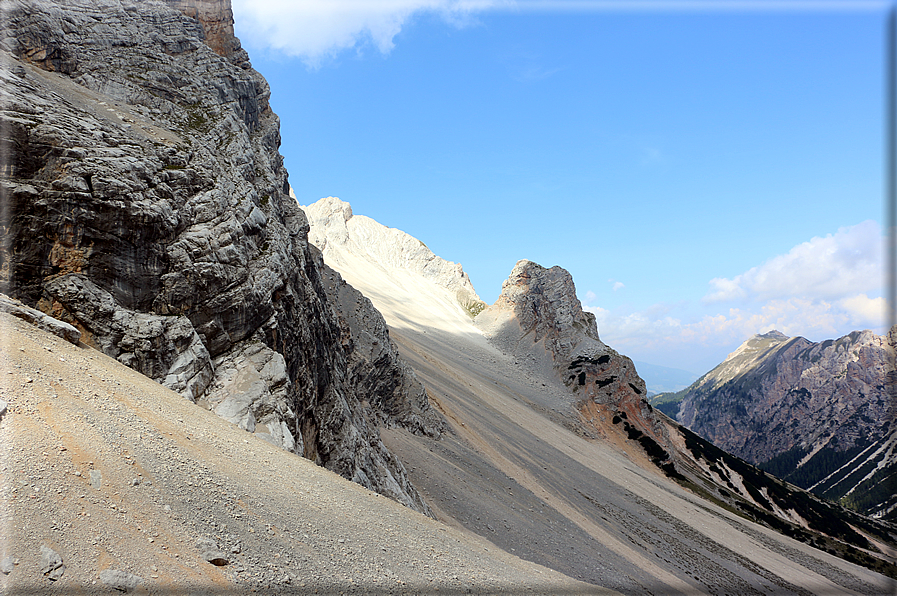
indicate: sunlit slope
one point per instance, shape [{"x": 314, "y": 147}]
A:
[
  {"x": 523, "y": 469},
  {"x": 411, "y": 287}
]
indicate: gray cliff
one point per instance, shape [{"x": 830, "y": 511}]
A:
[{"x": 146, "y": 204}]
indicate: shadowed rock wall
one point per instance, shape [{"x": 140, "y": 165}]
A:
[{"x": 145, "y": 203}]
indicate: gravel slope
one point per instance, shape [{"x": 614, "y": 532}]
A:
[
  {"x": 113, "y": 472},
  {"x": 513, "y": 471}
]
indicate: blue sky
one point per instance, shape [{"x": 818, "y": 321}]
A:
[{"x": 706, "y": 171}]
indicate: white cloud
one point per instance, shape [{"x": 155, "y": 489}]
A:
[
  {"x": 795, "y": 316},
  {"x": 316, "y": 29},
  {"x": 821, "y": 289},
  {"x": 836, "y": 266},
  {"x": 865, "y": 311},
  {"x": 653, "y": 335},
  {"x": 616, "y": 285},
  {"x": 736, "y": 6}
]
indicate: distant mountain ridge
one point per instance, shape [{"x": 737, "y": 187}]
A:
[{"x": 816, "y": 414}]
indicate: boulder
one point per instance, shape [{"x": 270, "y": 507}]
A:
[
  {"x": 39, "y": 319},
  {"x": 120, "y": 580},
  {"x": 51, "y": 565}
]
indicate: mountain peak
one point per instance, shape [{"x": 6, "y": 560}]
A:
[
  {"x": 385, "y": 261},
  {"x": 771, "y": 334},
  {"x": 539, "y": 305},
  {"x": 803, "y": 410}
]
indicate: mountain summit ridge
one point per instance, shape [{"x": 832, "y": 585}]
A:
[
  {"x": 339, "y": 233},
  {"x": 803, "y": 410}
]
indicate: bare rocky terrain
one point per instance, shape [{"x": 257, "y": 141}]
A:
[
  {"x": 145, "y": 203},
  {"x": 114, "y": 472},
  {"x": 818, "y": 414},
  {"x": 546, "y": 474},
  {"x": 222, "y": 379}
]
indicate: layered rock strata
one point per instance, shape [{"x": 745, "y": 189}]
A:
[
  {"x": 815, "y": 413},
  {"x": 146, "y": 204}
]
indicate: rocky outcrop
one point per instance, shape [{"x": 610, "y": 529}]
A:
[
  {"x": 146, "y": 205},
  {"x": 538, "y": 316},
  {"x": 39, "y": 319},
  {"x": 816, "y": 414},
  {"x": 544, "y": 305},
  {"x": 165, "y": 348},
  {"x": 217, "y": 20}
]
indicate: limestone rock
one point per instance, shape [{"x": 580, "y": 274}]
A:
[
  {"x": 120, "y": 580},
  {"x": 538, "y": 316},
  {"x": 149, "y": 210},
  {"x": 252, "y": 389},
  {"x": 39, "y": 319},
  {"x": 375, "y": 367},
  {"x": 7, "y": 565},
  {"x": 538, "y": 306},
  {"x": 163, "y": 347},
  {"x": 393, "y": 397},
  {"x": 337, "y": 232},
  {"x": 211, "y": 552},
  {"x": 51, "y": 565},
  {"x": 217, "y": 20}
]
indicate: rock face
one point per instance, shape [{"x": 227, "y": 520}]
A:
[
  {"x": 544, "y": 305},
  {"x": 538, "y": 316},
  {"x": 217, "y": 20},
  {"x": 815, "y": 414},
  {"x": 146, "y": 205},
  {"x": 39, "y": 319},
  {"x": 375, "y": 369},
  {"x": 339, "y": 233}
]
